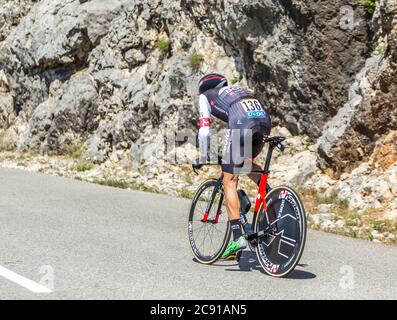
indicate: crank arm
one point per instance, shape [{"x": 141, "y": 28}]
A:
[{"x": 259, "y": 235}]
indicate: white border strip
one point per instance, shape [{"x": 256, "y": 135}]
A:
[{"x": 26, "y": 283}]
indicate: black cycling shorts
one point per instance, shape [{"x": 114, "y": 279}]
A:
[{"x": 242, "y": 144}]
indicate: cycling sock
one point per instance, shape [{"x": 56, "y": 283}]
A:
[{"x": 235, "y": 225}]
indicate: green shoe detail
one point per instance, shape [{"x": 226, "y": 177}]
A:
[{"x": 234, "y": 247}]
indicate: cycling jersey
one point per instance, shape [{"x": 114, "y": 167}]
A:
[{"x": 239, "y": 109}]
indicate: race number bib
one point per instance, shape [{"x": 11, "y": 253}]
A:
[{"x": 253, "y": 108}]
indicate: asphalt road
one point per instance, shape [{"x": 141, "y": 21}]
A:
[{"x": 85, "y": 241}]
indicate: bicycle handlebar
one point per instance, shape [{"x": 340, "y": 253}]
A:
[{"x": 274, "y": 142}]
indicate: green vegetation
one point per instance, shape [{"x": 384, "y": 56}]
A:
[
  {"x": 188, "y": 174},
  {"x": 121, "y": 184},
  {"x": 136, "y": 24},
  {"x": 76, "y": 151},
  {"x": 363, "y": 227},
  {"x": 234, "y": 81},
  {"x": 195, "y": 61},
  {"x": 5, "y": 145},
  {"x": 185, "y": 193},
  {"x": 355, "y": 224},
  {"x": 189, "y": 179},
  {"x": 163, "y": 45},
  {"x": 370, "y": 5},
  {"x": 145, "y": 188},
  {"x": 379, "y": 49},
  {"x": 315, "y": 198},
  {"x": 83, "y": 166},
  {"x": 21, "y": 164}
]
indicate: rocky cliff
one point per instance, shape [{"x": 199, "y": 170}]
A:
[{"x": 119, "y": 75}]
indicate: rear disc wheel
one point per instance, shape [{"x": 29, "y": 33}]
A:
[{"x": 280, "y": 250}]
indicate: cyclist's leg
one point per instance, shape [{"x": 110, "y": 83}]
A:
[
  {"x": 231, "y": 161},
  {"x": 258, "y": 135},
  {"x": 233, "y": 208},
  {"x": 232, "y": 201},
  {"x": 230, "y": 181},
  {"x": 255, "y": 177}
]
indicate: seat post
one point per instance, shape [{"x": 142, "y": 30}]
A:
[{"x": 269, "y": 158}]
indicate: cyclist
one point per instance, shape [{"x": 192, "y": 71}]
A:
[{"x": 248, "y": 125}]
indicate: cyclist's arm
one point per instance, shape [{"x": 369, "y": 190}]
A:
[{"x": 205, "y": 122}]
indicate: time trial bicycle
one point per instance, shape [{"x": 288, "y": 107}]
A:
[{"x": 278, "y": 230}]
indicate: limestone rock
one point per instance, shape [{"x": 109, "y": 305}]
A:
[{"x": 121, "y": 76}]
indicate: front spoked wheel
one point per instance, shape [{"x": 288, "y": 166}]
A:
[
  {"x": 208, "y": 230},
  {"x": 283, "y": 229}
]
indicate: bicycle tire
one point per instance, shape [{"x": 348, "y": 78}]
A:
[
  {"x": 201, "y": 257},
  {"x": 270, "y": 267}
]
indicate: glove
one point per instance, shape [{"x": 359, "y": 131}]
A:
[{"x": 196, "y": 165}]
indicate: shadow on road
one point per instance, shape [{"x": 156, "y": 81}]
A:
[
  {"x": 248, "y": 262},
  {"x": 221, "y": 263}
]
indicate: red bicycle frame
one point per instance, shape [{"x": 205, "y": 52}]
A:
[
  {"x": 261, "y": 198},
  {"x": 274, "y": 142}
]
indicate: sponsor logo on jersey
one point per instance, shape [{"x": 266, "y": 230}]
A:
[
  {"x": 256, "y": 114},
  {"x": 205, "y": 122}
]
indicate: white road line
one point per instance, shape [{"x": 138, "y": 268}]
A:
[{"x": 26, "y": 283}]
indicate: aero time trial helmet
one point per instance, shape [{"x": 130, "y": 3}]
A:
[{"x": 210, "y": 81}]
